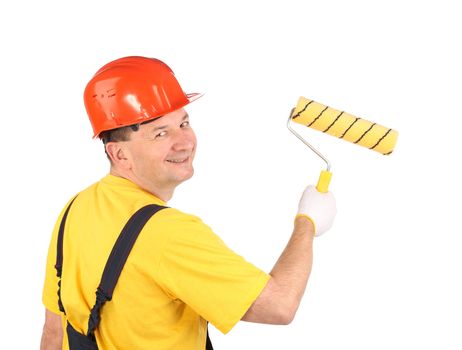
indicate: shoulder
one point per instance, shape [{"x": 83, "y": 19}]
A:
[
  {"x": 171, "y": 232},
  {"x": 177, "y": 226},
  {"x": 173, "y": 220}
]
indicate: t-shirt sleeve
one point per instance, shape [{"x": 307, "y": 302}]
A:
[{"x": 198, "y": 268}]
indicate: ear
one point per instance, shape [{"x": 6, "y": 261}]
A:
[{"x": 119, "y": 155}]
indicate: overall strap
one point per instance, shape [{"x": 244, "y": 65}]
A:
[
  {"x": 116, "y": 261},
  {"x": 59, "y": 253},
  {"x": 114, "y": 265},
  {"x": 208, "y": 343}
]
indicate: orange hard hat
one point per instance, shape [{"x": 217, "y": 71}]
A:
[{"x": 132, "y": 90}]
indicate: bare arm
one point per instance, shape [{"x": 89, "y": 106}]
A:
[
  {"x": 279, "y": 300},
  {"x": 52, "y": 336}
]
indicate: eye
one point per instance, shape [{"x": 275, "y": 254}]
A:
[
  {"x": 162, "y": 133},
  {"x": 185, "y": 124}
]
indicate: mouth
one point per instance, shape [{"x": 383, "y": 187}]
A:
[{"x": 178, "y": 160}]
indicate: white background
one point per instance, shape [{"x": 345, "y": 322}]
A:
[{"x": 387, "y": 276}]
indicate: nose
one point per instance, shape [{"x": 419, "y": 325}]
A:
[{"x": 184, "y": 140}]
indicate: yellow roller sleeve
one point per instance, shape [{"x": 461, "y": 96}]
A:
[{"x": 345, "y": 126}]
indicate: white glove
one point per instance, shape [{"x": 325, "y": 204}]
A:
[{"x": 319, "y": 207}]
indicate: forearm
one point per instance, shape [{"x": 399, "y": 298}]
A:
[
  {"x": 52, "y": 336},
  {"x": 280, "y": 298},
  {"x": 51, "y": 342},
  {"x": 293, "y": 268}
]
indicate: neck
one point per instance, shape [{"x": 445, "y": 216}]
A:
[{"x": 161, "y": 193}]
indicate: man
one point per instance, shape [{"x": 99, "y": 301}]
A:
[{"x": 179, "y": 274}]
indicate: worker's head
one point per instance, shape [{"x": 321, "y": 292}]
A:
[{"x": 135, "y": 105}]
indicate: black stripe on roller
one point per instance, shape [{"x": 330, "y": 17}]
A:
[
  {"x": 381, "y": 139},
  {"x": 303, "y": 110},
  {"x": 319, "y": 116},
  {"x": 349, "y": 127},
  {"x": 365, "y": 133},
  {"x": 335, "y": 121},
  {"x": 387, "y": 154}
]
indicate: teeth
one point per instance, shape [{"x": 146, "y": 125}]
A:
[{"x": 176, "y": 160}]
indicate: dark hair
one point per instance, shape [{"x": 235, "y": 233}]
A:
[
  {"x": 120, "y": 134},
  {"x": 116, "y": 135}
]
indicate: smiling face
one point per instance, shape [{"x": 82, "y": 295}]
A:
[{"x": 159, "y": 156}]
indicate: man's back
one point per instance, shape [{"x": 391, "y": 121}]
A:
[{"x": 176, "y": 271}]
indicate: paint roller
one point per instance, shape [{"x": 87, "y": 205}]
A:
[{"x": 342, "y": 125}]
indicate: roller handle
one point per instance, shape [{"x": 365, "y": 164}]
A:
[{"x": 324, "y": 180}]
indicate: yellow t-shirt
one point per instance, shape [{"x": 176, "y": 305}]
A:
[{"x": 178, "y": 275}]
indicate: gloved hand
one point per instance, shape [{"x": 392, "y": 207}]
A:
[{"x": 319, "y": 207}]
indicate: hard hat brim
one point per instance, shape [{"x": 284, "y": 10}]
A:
[{"x": 190, "y": 98}]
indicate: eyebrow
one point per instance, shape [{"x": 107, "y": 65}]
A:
[{"x": 161, "y": 127}]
